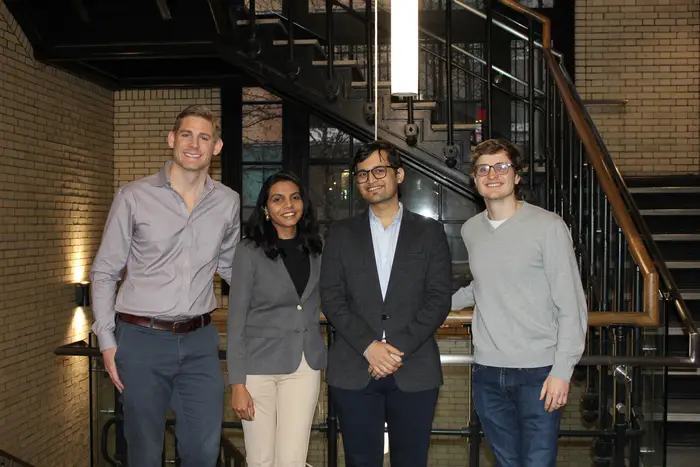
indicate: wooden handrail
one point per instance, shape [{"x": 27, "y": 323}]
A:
[
  {"x": 650, "y": 316},
  {"x": 546, "y": 23}
]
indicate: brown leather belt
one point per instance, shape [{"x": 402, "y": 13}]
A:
[{"x": 176, "y": 327}]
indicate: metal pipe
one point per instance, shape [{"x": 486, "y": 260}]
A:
[
  {"x": 465, "y": 359},
  {"x": 531, "y": 104},
  {"x": 489, "y": 70},
  {"x": 329, "y": 39},
  {"x": 368, "y": 49},
  {"x": 448, "y": 70}
]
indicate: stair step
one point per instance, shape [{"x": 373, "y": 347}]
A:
[
  {"x": 683, "y": 410},
  {"x": 682, "y": 456},
  {"x": 422, "y": 105},
  {"x": 296, "y": 42},
  {"x": 455, "y": 126},
  {"x": 665, "y": 189},
  {"x": 246, "y": 22},
  {"x": 670, "y": 212},
  {"x": 690, "y": 294},
  {"x": 363, "y": 84},
  {"x": 336, "y": 63},
  {"x": 683, "y": 264},
  {"x": 676, "y": 237}
]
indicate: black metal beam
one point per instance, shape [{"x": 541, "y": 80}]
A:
[
  {"x": 91, "y": 74},
  {"x": 80, "y": 9},
  {"x": 221, "y": 21},
  {"x": 164, "y": 9},
  {"x": 127, "y": 51}
]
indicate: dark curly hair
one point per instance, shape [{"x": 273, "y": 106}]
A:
[{"x": 264, "y": 235}]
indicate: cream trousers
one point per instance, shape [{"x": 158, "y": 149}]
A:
[{"x": 284, "y": 411}]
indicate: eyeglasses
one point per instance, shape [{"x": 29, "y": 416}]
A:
[
  {"x": 482, "y": 170},
  {"x": 379, "y": 172}
]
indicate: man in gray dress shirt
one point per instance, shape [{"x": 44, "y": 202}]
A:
[{"x": 170, "y": 231}]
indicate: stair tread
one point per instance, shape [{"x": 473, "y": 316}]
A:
[
  {"x": 246, "y": 22},
  {"x": 665, "y": 189},
  {"x": 676, "y": 237},
  {"x": 682, "y": 456},
  {"x": 335, "y": 62},
  {"x": 683, "y": 264},
  {"x": 456, "y": 126},
  {"x": 416, "y": 105},
  {"x": 670, "y": 212},
  {"x": 296, "y": 41},
  {"x": 690, "y": 294},
  {"x": 363, "y": 84},
  {"x": 683, "y": 410}
]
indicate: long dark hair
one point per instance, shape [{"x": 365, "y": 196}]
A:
[{"x": 263, "y": 233}]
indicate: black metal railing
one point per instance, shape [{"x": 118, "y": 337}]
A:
[{"x": 109, "y": 433}]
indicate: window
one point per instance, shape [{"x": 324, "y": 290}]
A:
[{"x": 262, "y": 143}]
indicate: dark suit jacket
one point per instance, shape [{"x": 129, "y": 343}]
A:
[
  {"x": 418, "y": 300},
  {"x": 268, "y": 324}
]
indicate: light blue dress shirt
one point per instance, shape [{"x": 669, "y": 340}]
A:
[{"x": 384, "y": 242}]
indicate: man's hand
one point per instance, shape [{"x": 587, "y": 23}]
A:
[
  {"x": 556, "y": 392},
  {"x": 384, "y": 359},
  {"x": 242, "y": 403},
  {"x": 111, "y": 367}
]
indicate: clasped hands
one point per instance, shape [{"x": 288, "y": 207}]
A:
[{"x": 384, "y": 359}]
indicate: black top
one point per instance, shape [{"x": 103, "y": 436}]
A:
[{"x": 296, "y": 260}]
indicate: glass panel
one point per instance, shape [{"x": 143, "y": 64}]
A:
[
  {"x": 457, "y": 207},
  {"x": 420, "y": 194},
  {"x": 271, "y": 152},
  {"x": 461, "y": 274},
  {"x": 329, "y": 188},
  {"x": 327, "y": 142},
  {"x": 253, "y": 178}
]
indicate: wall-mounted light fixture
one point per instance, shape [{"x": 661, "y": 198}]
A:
[
  {"x": 404, "y": 47},
  {"x": 82, "y": 293}
]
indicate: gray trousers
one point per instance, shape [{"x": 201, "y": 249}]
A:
[{"x": 160, "y": 369}]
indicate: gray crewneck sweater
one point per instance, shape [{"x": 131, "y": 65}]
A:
[{"x": 530, "y": 308}]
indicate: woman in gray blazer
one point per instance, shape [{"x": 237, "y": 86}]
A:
[{"x": 275, "y": 348}]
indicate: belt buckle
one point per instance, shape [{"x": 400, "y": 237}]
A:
[{"x": 177, "y": 326}]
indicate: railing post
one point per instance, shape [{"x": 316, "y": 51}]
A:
[
  {"x": 621, "y": 389},
  {"x": 331, "y": 417},
  {"x": 531, "y": 103},
  {"x": 489, "y": 71}
]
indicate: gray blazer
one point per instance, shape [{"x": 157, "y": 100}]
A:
[{"x": 268, "y": 324}]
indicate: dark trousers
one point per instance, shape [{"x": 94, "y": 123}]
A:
[
  {"x": 409, "y": 419},
  {"x": 518, "y": 429},
  {"x": 160, "y": 369}
]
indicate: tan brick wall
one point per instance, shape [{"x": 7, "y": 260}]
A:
[
  {"x": 55, "y": 188},
  {"x": 646, "y": 51}
]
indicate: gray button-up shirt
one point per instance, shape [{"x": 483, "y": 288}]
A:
[{"x": 170, "y": 254}]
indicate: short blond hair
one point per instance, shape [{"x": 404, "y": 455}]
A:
[{"x": 200, "y": 111}]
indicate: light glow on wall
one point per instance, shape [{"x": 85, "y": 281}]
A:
[{"x": 404, "y": 47}]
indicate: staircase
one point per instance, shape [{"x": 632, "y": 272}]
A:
[
  {"x": 568, "y": 168},
  {"x": 338, "y": 85},
  {"x": 670, "y": 207}
]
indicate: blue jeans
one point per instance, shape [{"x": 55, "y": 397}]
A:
[
  {"x": 518, "y": 429},
  {"x": 160, "y": 369}
]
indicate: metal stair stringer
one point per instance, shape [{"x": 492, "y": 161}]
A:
[{"x": 348, "y": 115}]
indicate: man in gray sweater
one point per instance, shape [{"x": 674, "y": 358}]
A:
[{"x": 530, "y": 315}]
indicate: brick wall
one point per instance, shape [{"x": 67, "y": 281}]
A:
[
  {"x": 55, "y": 188},
  {"x": 648, "y": 52}
]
